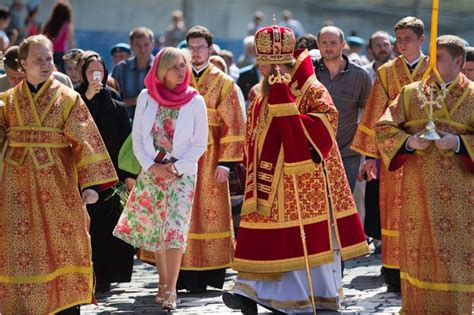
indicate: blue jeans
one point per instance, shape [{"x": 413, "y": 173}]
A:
[{"x": 351, "y": 166}]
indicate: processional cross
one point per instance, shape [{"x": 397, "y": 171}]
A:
[{"x": 430, "y": 133}]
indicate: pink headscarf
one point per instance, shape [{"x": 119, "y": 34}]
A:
[{"x": 181, "y": 95}]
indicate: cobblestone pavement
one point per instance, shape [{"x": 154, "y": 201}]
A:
[{"x": 365, "y": 293}]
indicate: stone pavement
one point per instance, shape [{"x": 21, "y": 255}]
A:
[{"x": 365, "y": 293}]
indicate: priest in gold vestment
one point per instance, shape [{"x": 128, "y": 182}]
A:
[
  {"x": 52, "y": 148},
  {"x": 210, "y": 241},
  {"x": 391, "y": 77},
  {"x": 436, "y": 214}
]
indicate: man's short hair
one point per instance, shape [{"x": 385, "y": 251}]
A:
[
  {"x": 199, "y": 31},
  {"x": 379, "y": 34},
  {"x": 412, "y": 23},
  {"x": 73, "y": 54},
  {"x": 4, "y": 12},
  {"x": 453, "y": 44},
  {"x": 40, "y": 40},
  {"x": 470, "y": 54},
  {"x": 308, "y": 41},
  {"x": 141, "y": 32},
  {"x": 332, "y": 28},
  {"x": 10, "y": 58}
]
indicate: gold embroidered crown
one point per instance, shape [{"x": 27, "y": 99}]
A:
[{"x": 274, "y": 44}]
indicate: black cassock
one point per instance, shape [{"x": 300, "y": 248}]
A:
[{"x": 112, "y": 258}]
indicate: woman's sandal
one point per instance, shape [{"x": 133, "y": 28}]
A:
[
  {"x": 169, "y": 303},
  {"x": 160, "y": 296}
]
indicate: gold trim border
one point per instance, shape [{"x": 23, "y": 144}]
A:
[{"x": 436, "y": 286}]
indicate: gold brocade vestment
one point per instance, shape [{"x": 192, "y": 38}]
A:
[
  {"x": 436, "y": 213},
  {"x": 391, "y": 77},
  {"x": 53, "y": 146},
  {"x": 210, "y": 241}
]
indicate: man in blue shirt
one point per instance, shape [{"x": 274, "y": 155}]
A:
[{"x": 130, "y": 73}]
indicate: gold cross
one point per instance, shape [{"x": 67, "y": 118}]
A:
[{"x": 432, "y": 101}]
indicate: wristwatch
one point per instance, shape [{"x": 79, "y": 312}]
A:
[{"x": 174, "y": 171}]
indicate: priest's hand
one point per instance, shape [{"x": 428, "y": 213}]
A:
[
  {"x": 417, "y": 143},
  {"x": 448, "y": 141},
  {"x": 89, "y": 196},
  {"x": 369, "y": 169},
  {"x": 221, "y": 174},
  {"x": 159, "y": 170},
  {"x": 93, "y": 88}
]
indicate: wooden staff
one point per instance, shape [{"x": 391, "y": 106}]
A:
[{"x": 303, "y": 242}]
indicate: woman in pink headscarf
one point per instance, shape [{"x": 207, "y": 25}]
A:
[{"x": 170, "y": 134}]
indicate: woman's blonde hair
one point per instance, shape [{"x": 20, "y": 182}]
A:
[
  {"x": 40, "y": 40},
  {"x": 168, "y": 59}
]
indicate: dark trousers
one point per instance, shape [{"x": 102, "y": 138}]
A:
[{"x": 75, "y": 310}]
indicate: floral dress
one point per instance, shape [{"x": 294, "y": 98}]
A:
[{"x": 158, "y": 211}]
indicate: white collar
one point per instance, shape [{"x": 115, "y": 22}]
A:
[
  {"x": 202, "y": 69},
  {"x": 415, "y": 61}
]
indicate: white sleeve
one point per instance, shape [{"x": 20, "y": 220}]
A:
[
  {"x": 137, "y": 133},
  {"x": 198, "y": 142}
]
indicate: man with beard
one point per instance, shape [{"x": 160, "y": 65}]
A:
[
  {"x": 349, "y": 85},
  {"x": 290, "y": 145},
  {"x": 392, "y": 76},
  {"x": 380, "y": 49}
]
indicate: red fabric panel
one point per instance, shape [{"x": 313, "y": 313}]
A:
[
  {"x": 319, "y": 133},
  {"x": 105, "y": 186},
  {"x": 280, "y": 94},
  {"x": 295, "y": 146},
  {"x": 276, "y": 244},
  {"x": 304, "y": 71},
  {"x": 398, "y": 162},
  {"x": 350, "y": 230},
  {"x": 468, "y": 164}
]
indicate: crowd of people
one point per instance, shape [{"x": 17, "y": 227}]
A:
[{"x": 280, "y": 165}]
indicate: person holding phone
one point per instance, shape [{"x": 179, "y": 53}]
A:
[{"x": 113, "y": 258}]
